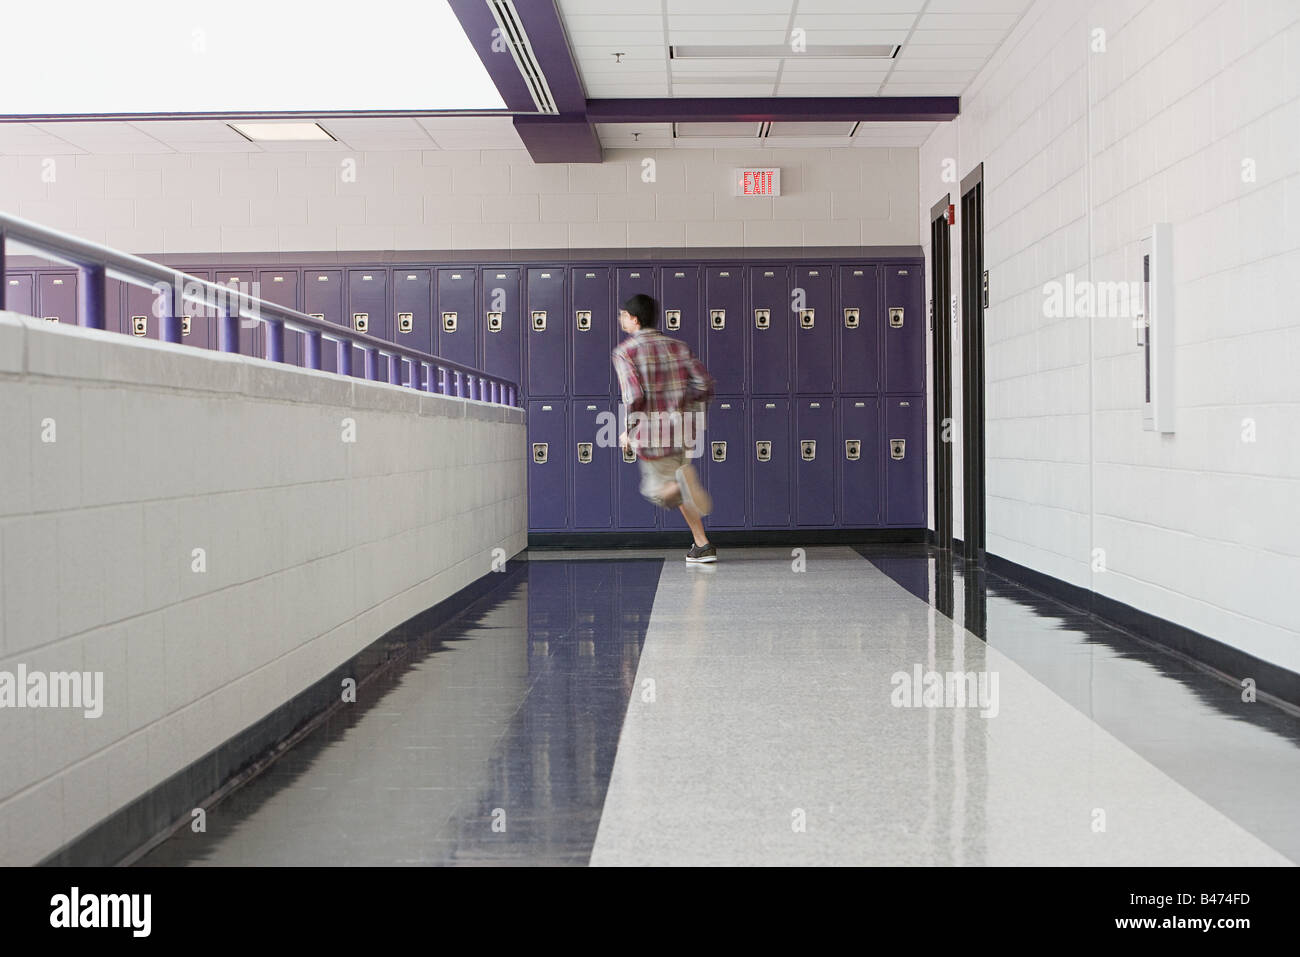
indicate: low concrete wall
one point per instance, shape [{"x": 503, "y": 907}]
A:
[{"x": 327, "y": 511}]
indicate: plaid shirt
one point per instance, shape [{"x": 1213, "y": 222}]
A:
[{"x": 658, "y": 376}]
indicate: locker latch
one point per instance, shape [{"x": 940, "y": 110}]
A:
[
  {"x": 539, "y": 320},
  {"x": 851, "y": 318},
  {"x": 494, "y": 322},
  {"x": 717, "y": 319},
  {"x": 808, "y": 449},
  {"x": 449, "y": 322},
  {"x": 584, "y": 320},
  {"x": 629, "y": 454},
  {"x": 853, "y": 449},
  {"x": 764, "y": 451},
  {"x": 539, "y": 452},
  {"x": 51, "y": 318},
  {"x": 186, "y": 325},
  {"x": 896, "y": 317},
  {"x": 673, "y": 319},
  {"x": 762, "y": 318},
  {"x": 361, "y": 321},
  {"x": 584, "y": 452},
  {"x": 139, "y": 325},
  {"x": 719, "y": 451},
  {"x": 897, "y": 448},
  {"x": 405, "y": 321},
  {"x": 805, "y": 318}
]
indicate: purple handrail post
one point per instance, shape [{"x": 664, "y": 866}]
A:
[
  {"x": 345, "y": 356},
  {"x": 372, "y": 364},
  {"x": 227, "y": 328},
  {"x": 394, "y": 370},
  {"x": 169, "y": 326},
  {"x": 91, "y": 286},
  {"x": 313, "y": 340},
  {"x": 275, "y": 340}
]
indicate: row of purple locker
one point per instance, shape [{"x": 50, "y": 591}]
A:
[
  {"x": 762, "y": 328},
  {"x": 769, "y": 462}
]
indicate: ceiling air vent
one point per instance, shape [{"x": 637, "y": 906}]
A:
[{"x": 512, "y": 30}]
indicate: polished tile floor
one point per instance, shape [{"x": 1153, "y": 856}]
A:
[{"x": 625, "y": 708}]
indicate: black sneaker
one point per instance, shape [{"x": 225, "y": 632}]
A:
[{"x": 699, "y": 554}]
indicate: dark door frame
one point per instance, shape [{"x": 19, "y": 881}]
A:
[
  {"x": 972, "y": 386},
  {"x": 940, "y": 364}
]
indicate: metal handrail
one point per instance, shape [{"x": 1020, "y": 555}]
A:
[{"x": 96, "y": 264}]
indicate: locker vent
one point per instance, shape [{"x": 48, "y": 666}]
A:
[{"x": 513, "y": 32}]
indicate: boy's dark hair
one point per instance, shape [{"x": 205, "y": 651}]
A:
[{"x": 644, "y": 309}]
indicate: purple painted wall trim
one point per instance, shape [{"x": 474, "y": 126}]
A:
[
  {"x": 897, "y": 109},
  {"x": 559, "y": 139}
]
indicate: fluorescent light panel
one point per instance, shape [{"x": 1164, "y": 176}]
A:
[
  {"x": 280, "y": 132},
  {"x": 866, "y": 51}
]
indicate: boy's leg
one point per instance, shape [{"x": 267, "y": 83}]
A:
[{"x": 694, "y": 521}]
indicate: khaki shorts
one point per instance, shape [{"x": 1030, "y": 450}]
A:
[{"x": 656, "y": 473}]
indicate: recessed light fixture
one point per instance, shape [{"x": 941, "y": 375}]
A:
[
  {"x": 281, "y": 132},
  {"x": 768, "y": 51}
]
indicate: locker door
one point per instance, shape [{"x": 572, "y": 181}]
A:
[
  {"x": 280, "y": 286},
  {"x": 144, "y": 309},
  {"x": 412, "y": 320},
  {"x": 858, "y": 327},
  {"x": 202, "y": 329},
  {"x": 814, "y": 462},
  {"x": 724, "y": 327},
  {"x": 547, "y": 331},
  {"x": 814, "y": 330},
  {"x": 368, "y": 304},
  {"x": 322, "y": 297},
  {"x": 456, "y": 318},
  {"x": 634, "y": 510},
  {"x": 592, "y": 463},
  {"x": 679, "y": 294},
  {"x": 905, "y": 465},
  {"x": 858, "y": 450},
  {"x": 629, "y": 281},
  {"x": 548, "y": 465},
  {"x": 240, "y": 282},
  {"x": 114, "y": 291},
  {"x": 768, "y": 322},
  {"x": 726, "y": 462},
  {"x": 904, "y": 330},
  {"x": 20, "y": 295},
  {"x": 501, "y": 330},
  {"x": 56, "y": 296},
  {"x": 592, "y": 332},
  {"x": 770, "y": 454}
]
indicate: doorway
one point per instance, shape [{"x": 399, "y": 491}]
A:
[
  {"x": 974, "y": 299},
  {"x": 940, "y": 361}
]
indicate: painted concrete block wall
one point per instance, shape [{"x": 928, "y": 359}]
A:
[
  {"x": 167, "y": 203},
  {"x": 1181, "y": 111},
  {"x": 314, "y": 547}
]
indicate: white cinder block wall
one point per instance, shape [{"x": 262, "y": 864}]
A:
[
  {"x": 315, "y": 546},
  {"x": 1189, "y": 115},
  {"x": 463, "y": 199}
]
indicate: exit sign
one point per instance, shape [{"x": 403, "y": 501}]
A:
[{"x": 756, "y": 182}]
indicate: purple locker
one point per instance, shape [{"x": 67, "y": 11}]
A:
[
  {"x": 56, "y": 296},
  {"x": 629, "y": 281},
  {"x": 368, "y": 312},
  {"x": 20, "y": 294},
  {"x": 501, "y": 327},
  {"x": 679, "y": 303},
  {"x": 634, "y": 510},
  {"x": 769, "y": 325},
  {"x": 724, "y": 327},
  {"x": 201, "y": 324},
  {"x": 592, "y": 331},
  {"x": 322, "y": 297},
  {"x": 904, "y": 452},
  {"x": 240, "y": 283},
  {"x": 144, "y": 309},
  {"x": 412, "y": 324},
  {"x": 547, "y": 331},
  {"x": 548, "y": 465},
  {"x": 280, "y": 286},
  {"x": 814, "y": 330},
  {"x": 455, "y": 335},
  {"x": 904, "y": 329},
  {"x": 770, "y": 445},
  {"x": 726, "y": 462},
  {"x": 591, "y": 457},
  {"x": 814, "y": 462},
  {"x": 858, "y": 450},
  {"x": 858, "y": 323},
  {"x": 114, "y": 292}
]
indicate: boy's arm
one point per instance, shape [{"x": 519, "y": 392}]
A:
[
  {"x": 629, "y": 382},
  {"x": 699, "y": 385}
]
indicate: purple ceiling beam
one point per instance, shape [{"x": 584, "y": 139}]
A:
[
  {"x": 567, "y": 138},
  {"x": 879, "y": 109}
]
